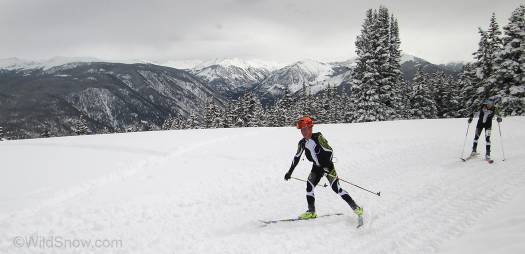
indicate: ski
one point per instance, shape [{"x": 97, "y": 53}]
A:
[
  {"x": 469, "y": 157},
  {"x": 268, "y": 222},
  {"x": 490, "y": 161}
]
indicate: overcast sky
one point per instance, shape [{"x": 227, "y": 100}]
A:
[{"x": 279, "y": 30}]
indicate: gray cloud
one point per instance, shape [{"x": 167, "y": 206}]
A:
[{"x": 282, "y": 30}]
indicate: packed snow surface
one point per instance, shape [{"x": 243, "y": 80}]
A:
[{"x": 204, "y": 191}]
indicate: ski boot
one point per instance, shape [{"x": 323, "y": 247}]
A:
[
  {"x": 308, "y": 215},
  {"x": 359, "y": 212},
  {"x": 488, "y": 159}
]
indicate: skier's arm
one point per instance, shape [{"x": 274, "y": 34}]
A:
[
  {"x": 326, "y": 157},
  {"x": 324, "y": 143},
  {"x": 295, "y": 161}
]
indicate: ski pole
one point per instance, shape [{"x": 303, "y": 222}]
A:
[
  {"x": 501, "y": 141},
  {"x": 464, "y": 142},
  {"x": 302, "y": 180},
  {"x": 378, "y": 193}
]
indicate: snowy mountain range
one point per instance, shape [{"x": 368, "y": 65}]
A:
[
  {"x": 310, "y": 75},
  {"x": 112, "y": 96},
  {"x": 232, "y": 77},
  {"x": 51, "y": 94}
]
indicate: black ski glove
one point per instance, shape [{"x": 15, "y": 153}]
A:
[
  {"x": 470, "y": 120},
  {"x": 499, "y": 119},
  {"x": 288, "y": 175}
]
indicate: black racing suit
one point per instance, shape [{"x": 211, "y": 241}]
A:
[
  {"x": 319, "y": 152},
  {"x": 484, "y": 122}
]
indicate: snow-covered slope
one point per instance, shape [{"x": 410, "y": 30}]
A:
[{"x": 204, "y": 191}]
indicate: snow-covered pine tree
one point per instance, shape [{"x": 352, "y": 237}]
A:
[
  {"x": 468, "y": 82},
  {"x": 2, "y": 134},
  {"x": 258, "y": 118},
  {"x": 399, "y": 99},
  {"x": 365, "y": 87},
  {"x": 422, "y": 103},
  {"x": 45, "y": 134},
  {"x": 193, "y": 122},
  {"x": 209, "y": 113},
  {"x": 376, "y": 88},
  {"x": 284, "y": 111},
  {"x": 228, "y": 115},
  {"x": 347, "y": 107},
  {"x": 447, "y": 99},
  {"x": 167, "y": 123},
  {"x": 437, "y": 81},
  {"x": 509, "y": 74},
  {"x": 405, "y": 95},
  {"x": 484, "y": 66},
  {"x": 387, "y": 94},
  {"x": 218, "y": 117},
  {"x": 251, "y": 111},
  {"x": 453, "y": 96},
  {"x": 213, "y": 115},
  {"x": 338, "y": 105},
  {"x": 80, "y": 127},
  {"x": 323, "y": 110},
  {"x": 177, "y": 122},
  {"x": 106, "y": 130}
]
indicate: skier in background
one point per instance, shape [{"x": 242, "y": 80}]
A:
[
  {"x": 486, "y": 114},
  {"x": 319, "y": 152}
]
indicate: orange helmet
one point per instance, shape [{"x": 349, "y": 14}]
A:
[{"x": 305, "y": 121}]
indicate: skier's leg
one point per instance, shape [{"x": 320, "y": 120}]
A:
[
  {"x": 476, "y": 137},
  {"x": 487, "y": 141},
  {"x": 334, "y": 183},
  {"x": 313, "y": 180}
]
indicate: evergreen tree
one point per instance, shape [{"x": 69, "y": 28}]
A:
[
  {"x": 437, "y": 80},
  {"x": 284, "y": 115},
  {"x": 167, "y": 123},
  {"x": 80, "y": 127},
  {"x": 509, "y": 74},
  {"x": 485, "y": 64},
  {"x": 2, "y": 134},
  {"x": 45, "y": 134},
  {"x": 387, "y": 86},
  {"x": 209, "y": 113},
  {"x": 177, "y": 123},
  {"x": 399, "y": 96},
  {"x": 453, "y": 97},
  {"x": 469, "y": 90},
  {"x": 422, "y": 101},
  {"x": 376, "y": 88},
  {"x": 218, "y": 117},
  {"x": 193, "y": 122},
  {"x": 365, "y": 87}
]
